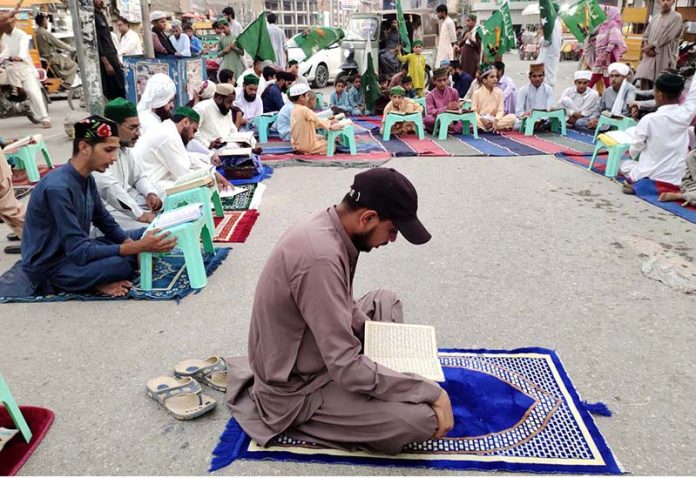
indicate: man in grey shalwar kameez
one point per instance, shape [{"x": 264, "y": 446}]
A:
[
  {"x": 660, "y": 43},
  {"x": 306, "y": 375}
]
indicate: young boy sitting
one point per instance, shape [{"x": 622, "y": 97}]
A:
[
  {"x": 400, "y": 104},
  {"x": 489, "y": 103},
  {"x": 381, "y": 102},
  {"x": 338, "y": 101},
  {"x": 356, "y": 98},
  {"x": 407, "y": 85}
]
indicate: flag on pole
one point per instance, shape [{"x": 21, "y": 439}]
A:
[
  {"x": 317, "y": 38},
  {"x": 548, "y": 13},
  {"x": 256, "y": 41},
  {"x": 369, "y": 86},
  {"x": 509, "y": 39},
  {"x": 496, "y": 33},
  {"x": 403, "y": 32},
  {"x": 583, "y": 17}
]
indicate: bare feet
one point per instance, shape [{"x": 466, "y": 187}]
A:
[
  {"x": 664, "y": 197},
  {"x": 45, "y": 124},
  {"x": 115, "y": 289}
]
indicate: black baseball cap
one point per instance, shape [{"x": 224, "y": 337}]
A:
[{"x": 392, "y": 195}]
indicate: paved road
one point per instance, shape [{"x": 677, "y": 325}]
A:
[{"x": 526, "y": 251}]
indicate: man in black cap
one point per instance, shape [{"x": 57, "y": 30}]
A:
[
  {"x": 306, "y": 375},
  {"x": 57, "y": 252}
]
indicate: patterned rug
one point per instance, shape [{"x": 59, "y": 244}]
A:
[
  {"x": 514, "y": 410},
  {"x": 249, "y": 199},
  {"x": 16, "y": 452},
  {"x": 169, "y": 282},
  {"x": 235, "y": 226}
]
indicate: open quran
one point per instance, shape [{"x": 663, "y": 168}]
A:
[
  {"x": 194, "y": 179},
  {"x": 404, "y": 348},
  {"x": 238, "y": 144},
  {"x": 177, "y": 216},
  {"x": 20, "y": 143}
]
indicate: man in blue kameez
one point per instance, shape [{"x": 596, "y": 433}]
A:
[{"x": 57, "y": 252}]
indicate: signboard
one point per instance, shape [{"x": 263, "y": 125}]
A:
[
  {"x": 349, "y": 5},
  {"x": 130, "y": 10}
]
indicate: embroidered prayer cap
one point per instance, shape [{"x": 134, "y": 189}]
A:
[
  {"x": 537, "y": 67},
  {"x": 187, "y": 112},
  {"x": 94, "y": 127},
  {"x": 298, "y": 90},
  {"x": 620, "y": 68},
  {"x": 251, "y": 80},
  {"x": 159, "y": 90},
  {"x": 418, "y": 43},
  {"x": 285, "y": 75},
  {"x": 392, "y": 195},
  {"x": 583, "y": 75},
  {"x": 440, "y": 73},
  {"x": 207, "y": 89},
  {"x": 224, "y": 89},
  {"x": 119, "y": 110},
  {"x": 669, "y": 83},
  {"x": 398, "y": 91},
  {"x": 157, "y": 15}
]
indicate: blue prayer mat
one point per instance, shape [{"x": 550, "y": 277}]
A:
[
  {"x": 169, "y": 281},
  {"x": 514, "y": 410}
]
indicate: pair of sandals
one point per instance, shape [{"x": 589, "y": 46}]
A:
[{"x": 181, "y": 395}]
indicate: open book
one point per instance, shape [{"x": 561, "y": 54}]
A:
[
  {"x": 460, "y": 111},
  {"x": 404, "y": 348},
  {"x": 177, "y": 216},
  {"x": 238, "y": 144},
  {"x": 608, "y": 114},
  {"x": 194, "y": 179},
  {"x": 622, "y": 137},
  {"x": 20, "y": 143}
]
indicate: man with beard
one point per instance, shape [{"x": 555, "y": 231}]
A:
[
  {"x": 216, "y": 115},
  {"x": 257, "y": 69},
  {"x": 164, "y": 154},
  {"x": 306, "y": 376},
  {"x": 57, "y": 252},
  {"x": 125, "y": 189},
  {"x": 157, "y": 102},
  {"x": 249, "y": 102},
  {"x": 113, "y": 82},
  {"x": 272, "y": 96},
  {"x": 160, "y": 41}
]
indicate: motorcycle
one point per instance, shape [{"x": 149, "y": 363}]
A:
[
  {"x": 56, "y": 87},
  {"x": 17, "y": 104}
]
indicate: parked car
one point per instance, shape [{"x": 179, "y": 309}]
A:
[{"x": 319, "y": 69}]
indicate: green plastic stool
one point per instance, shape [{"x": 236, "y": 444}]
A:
[
  {"x": 557, "y": 117},
  {"x": 263, "y": 125},
  {"x": 420, "y": 100},
  {"x": 616, "y": 153},
  {"x": 8, "y": 400},
  {"x": 319, "y": 105},
  {"x": 443, "y": 121},
  {"x": 392, "y": 119},
  {"x": 348, "y": 135},
  {"x": 613, "y": 123},
  {"x": 466, "y": 105},
  {"x": 188, "y": 237},
  {"x": 208, "y": 196},
  {"x": 26, "y": 159}
]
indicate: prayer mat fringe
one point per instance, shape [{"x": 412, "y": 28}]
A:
[
  {"x": 229, "y": 447},
  {"x": 598, "y": 408}
]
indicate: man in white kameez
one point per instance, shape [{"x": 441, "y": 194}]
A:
[
  {"x": 616, "y": 99},
  {"x": 124, "y": 187},
  {"x": 216, "y": 115},
  {"x": 660, "y": 43},
  {"x": 257, "y": 71},
  {"x": 250, "y": 101},
  {"x": 129, "y": 42},
  {"x": 535, "y": 95},
  {"x": 661, "y": 139},
  {"x": 550, "y": 54},
  {"x": 447, "y": 37},
  {"x": 157, "y": 102},
  {"x": 579, "y": 101}
]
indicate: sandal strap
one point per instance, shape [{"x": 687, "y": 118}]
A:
[
  {"x": 166, "y": 393},
  {"x": 219, "y": 366}
]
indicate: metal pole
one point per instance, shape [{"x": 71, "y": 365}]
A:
[
  {"x": 82, "y": 12},
  {"x": 147, "y": 29}
]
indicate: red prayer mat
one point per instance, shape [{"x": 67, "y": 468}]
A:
[
  {"x": 235, "y": 226},
  {"x": 19, "y": 177},
  {"x": 17, "y": 451}
]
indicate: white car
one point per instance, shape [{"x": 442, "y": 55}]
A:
[{"x": 320, "y": 68}]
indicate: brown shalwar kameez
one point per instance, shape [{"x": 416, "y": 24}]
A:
[
  {"x": 11, "y": 210},
  {"x": 306, "y": 375}
]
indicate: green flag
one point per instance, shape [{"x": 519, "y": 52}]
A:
[
  {"x": 317, "y": 38},
  {"x": 370, "y": 86},
  {"x": 403, "y": 32},
  {"x": 583, "y": 17},
  {"x": 509, "y": 40},
  {"x": 492, "y": 37},
  {"x": 256, "y": 41},
  {"x": 548, "y": 13}
]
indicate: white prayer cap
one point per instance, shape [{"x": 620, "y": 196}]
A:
[
  {"x": 621, "y": 68},
  {"x": 224, "y": 89},
  {"x": 583, "y": 75},
  {"x": 297, "y": 90},
  {"x": 175, "y": 23},
  {"x": 157, "y": 15},
  {"x": 159, "y": 90}
]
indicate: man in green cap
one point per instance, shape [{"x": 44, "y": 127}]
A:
[
  {"x": 228, "y": 50},
  {"x": 164, "y": 153},
  {"x": 401, "y": 105},
  {"x": 250, "y": 101},
  {"x": 124, "y": 187}
]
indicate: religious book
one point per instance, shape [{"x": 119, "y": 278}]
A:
[
  {"x": 20, "y": 143},
  {"x": 232, "y": 151},
  {"x": 345, "y": 122},
  {"x": 400, "y": 113},
  {"x": 194, "y": 179},
  {"x": 404, "y": 348},
  {"x": 609, "y": 114},
  {"x": 546, "y": 111},
  {"x": 459, "y": 111},
  {"x": 244, "y": 139},
  {"x": 177, "y": 216},
  {"x": 622, "y": 137}
]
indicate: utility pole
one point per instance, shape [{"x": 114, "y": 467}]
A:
[
  {"x": 82, "y": 12},
  {"x": 147, "y": 29}
]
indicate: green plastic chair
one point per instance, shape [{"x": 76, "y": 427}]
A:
[
  {"x": 392, "y": 119},
  {"x": 8, "y": 400},
  {"x": 263, "y": 125},
  {"x": 25, "y": 158},
  {"x": 188, "y": 238},
  {"x": 557, "y": 117},
  {"x": 348, "y": 135},
  {"x": 466, "y": 105},
  {"x": 420, "y": 100},
  {"x": 613, "y": 123},
  {"x": 616, "y": 153},
  {"x": 208, "y": 196},
  {"x": 443, "y": 121}
]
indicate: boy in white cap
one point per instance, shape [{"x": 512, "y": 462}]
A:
[
  {"x": 304, "y": 122},
  {"x": 160, "y": 41},
  {"x": 282, "y": 123},
  {"x": 617, "y": 97},
  {"x": 579, "y": 101}
]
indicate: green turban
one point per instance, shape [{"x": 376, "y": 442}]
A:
[
  {"x": 187, "y": 112},
  {"x": 251, "y": 80},
  {"x": 398, "y": 91},
  {"x": 223, "y": 21},
  {"x": 119, "y": 110},
  {"x": 418, "y": 43}
]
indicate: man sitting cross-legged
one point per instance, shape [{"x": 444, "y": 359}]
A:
[
  {"x": 306, "y": 375},
  {"x": 535, "y": 95},
  {"x": 125, "y": 189},
  {"x": 441, "y": 99},
  {"x": 489, "y": 103},
  {"x": 401, "y": 104},
  {"x": 57, "y": 253},
  {"x": 215, "y": 113},
  {"x": 248, "y": 99},
  {"x": 616, "y": 98},
  {"x": 579, "y": 101},
  {"x": 304, "y": 122}
]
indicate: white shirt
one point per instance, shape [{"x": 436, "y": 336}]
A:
[
  {"x": 278, "y": 40},
  {"x": 573, "y": 101},
  {"x": 182, "y": 45},
  {"x": 447, "y": 36},
  {"x": 16, "y": 43},
  {"x": 551, "y": 54},
  {"x": 250, "y": 71},
  {"x": 165, "y": 158},
  {"x": 235, "y": 28},
  {"x": 250, "y": 110},
  {"x": 213, "y": 124},
  {"x": 130, "y": 44},
  {"x": 148, "y": 119},
  {"x": 532, "y": 98},
  {"x": 120, "y": 185}
]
